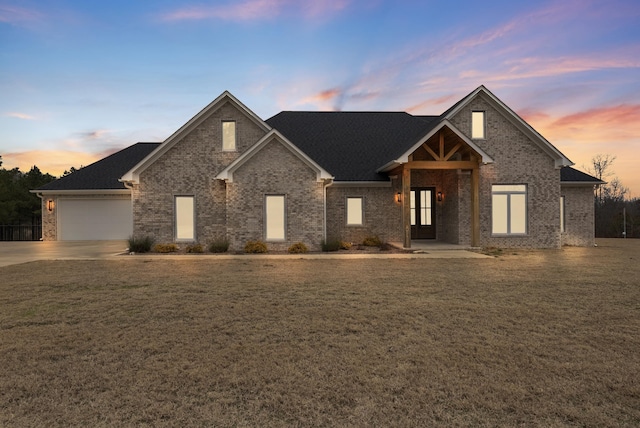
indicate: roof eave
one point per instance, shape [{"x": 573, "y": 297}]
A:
[
  {"x": 83, "y": 192},
  {"x": 227, "y": 173}
]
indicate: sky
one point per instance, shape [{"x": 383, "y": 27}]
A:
[{"x": 80, "y": 80}]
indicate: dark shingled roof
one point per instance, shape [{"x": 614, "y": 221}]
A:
[
  {"x": 352, "y": 145},
  {"x": 103, "y": 174},
  {"x": 572, "y": 175}
]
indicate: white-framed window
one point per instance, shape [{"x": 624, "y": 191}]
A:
[
  {"x": 509, "y": 209},
  {"x": 562, "y": 214},
  {"x": 228, "y": 135},
  {"x": 355, "y": 211},
  {"x": 275, "y": 217},
  {"x": 478, "y": 125},
  {"x": 185, "y": 218}
]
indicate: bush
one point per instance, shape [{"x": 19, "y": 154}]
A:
[
  {"x": 219, "y": 246},
  {"x": 333, "y": 245},
  {"x": 140, "y": 245},
  {"x": 345, "y": 245},
  {"x": 298, "y": 248},
  {"x": 195, "y": 248},
  {"x": 372, "y": 241},
  {"x": 255, "y": 247},
  {"x": 165, "y": 248}
]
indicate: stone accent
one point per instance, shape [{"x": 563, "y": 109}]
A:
[
  {"x": 49, "y": 219},
  {"x": 579, "y": 216},
  {"x": 518, "y": 160},
  {"x": 275, "y": 170}
]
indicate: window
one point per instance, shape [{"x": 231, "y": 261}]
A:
[
  {"x": 509, "y": 209},
  {"x": 275, "y": 218},
  {"x": 424, "y": 211},
  {"x": 562, "y": 220},
  {"x": 477, "y": 124},
  {"x": 354, "y": 211},
  {"x": 185, "y": 218},
  {"x": 228, "y": 135}
]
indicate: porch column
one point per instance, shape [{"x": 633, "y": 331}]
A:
[
  {"x": 406, "y": 205},
  {"x": 475, "y": 207}
]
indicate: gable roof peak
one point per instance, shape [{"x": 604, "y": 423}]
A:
[
  {"x": 134, "y": 173},
  {"x": 560, "y": 159}
]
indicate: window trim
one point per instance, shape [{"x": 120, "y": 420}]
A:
[
  {"x": 484, "y": 125},
  {"x": 284, "y": 217},
  {"x": 509, "y": 193},
  {"x": 346, "y": 205},
  {"x": 235, "y": 135},
  {"x": 175, "y": 218}
]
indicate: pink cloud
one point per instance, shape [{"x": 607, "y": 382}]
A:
[
  {"x": 420, "y": 107},
  {"x": 18, "y": 115},
  {"x": 254, "y": 10},
  {"x": 18, "y": 15}
]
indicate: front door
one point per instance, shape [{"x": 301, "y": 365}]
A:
[{"x": 423, "y": 213}]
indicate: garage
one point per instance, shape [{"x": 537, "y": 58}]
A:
[{"x": 94, "y": 219}]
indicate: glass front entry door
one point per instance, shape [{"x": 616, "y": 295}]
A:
[{"x": 423, "y": 213}]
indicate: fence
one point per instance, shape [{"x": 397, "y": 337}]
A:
[{"x": 32, "y": 232}]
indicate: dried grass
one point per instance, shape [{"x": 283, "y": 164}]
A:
[{"x": 538, "y": 338}]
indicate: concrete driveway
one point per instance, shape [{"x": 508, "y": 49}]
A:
[{"x": 12, "y": 253}]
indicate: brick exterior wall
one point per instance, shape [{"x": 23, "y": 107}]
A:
[
  {"x": 518, "y": 160},
  {"x": 579, "y": 216},
  {"x": 189, "y": 168},
  {"x": 382, "y": 216},
  {"x": 275, "y": 170},
  {"x": 235, "y": 210}
]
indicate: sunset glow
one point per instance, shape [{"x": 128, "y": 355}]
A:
[{"x": 84, "y": 79}]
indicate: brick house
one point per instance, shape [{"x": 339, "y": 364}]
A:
[{"x": 476, "y": 175}]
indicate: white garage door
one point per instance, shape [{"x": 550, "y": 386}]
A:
[{"x": 94, "y": 219}]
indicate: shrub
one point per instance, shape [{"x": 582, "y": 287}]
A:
[
  {"x": 333, "y": 245},
  {"x": 345, "y": 245},
  {"x": 219, "y": 246},
  {"x": 372, "y": 241},
  {"x": 255, "y": 247},
  {"x": 140, "y": 245},
  {"x": 195, "y": 248},
  {"x": 298, "y": 248},
  {"x": 165, "y": 248}
]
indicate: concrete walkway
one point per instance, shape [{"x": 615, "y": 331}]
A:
[{"x": 12, "y": 253}]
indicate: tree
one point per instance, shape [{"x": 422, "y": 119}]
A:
[
  {"x": 611, "y": 205},
  {"x": 17, "y": 204},
  {"x": 70, "y": 171},
  {"x": 600, "y": 168}
]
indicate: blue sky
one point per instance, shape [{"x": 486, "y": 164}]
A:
[{"x": 80, "y": 79}]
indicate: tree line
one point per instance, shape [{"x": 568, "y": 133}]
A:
[
  {"x": 17, "y": 205},
  {"x": 616, "y": 216}
]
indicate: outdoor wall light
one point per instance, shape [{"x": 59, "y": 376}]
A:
[
  {"x": 50, "y": 205},
  {"x": 440, "y": 196},
  {"x": 399, "y": 197}
]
